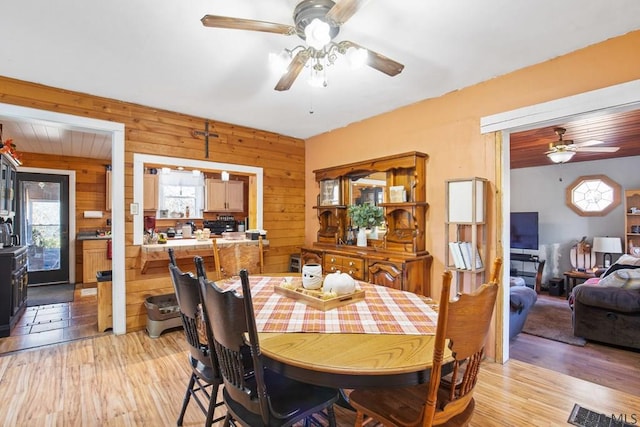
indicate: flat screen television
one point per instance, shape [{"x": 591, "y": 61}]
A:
[{"x": 524, "y": 230}]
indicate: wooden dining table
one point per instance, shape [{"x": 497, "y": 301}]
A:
[{"x": 349, "y": 360}]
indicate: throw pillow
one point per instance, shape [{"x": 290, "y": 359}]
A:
[
  {"x": 632, "y": 278},
  {"x": 626, "y": 279},
  {"x": 628, "y": 260},
  {"x": 616, "y": 267}
]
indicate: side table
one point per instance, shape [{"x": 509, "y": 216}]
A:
[{"x": 571, "y": 278}]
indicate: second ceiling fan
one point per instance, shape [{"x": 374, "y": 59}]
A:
[
  {"x": 317, "y": 22},
  {"x": 562, "y": 150}
]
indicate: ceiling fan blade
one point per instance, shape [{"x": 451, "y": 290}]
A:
[
  {"x": 345, "y": 9},
  {"x": 246, "y": 24},
  {"x": 376, "y": 60},
  {"x": 597, "y": 149},
  {"x": 294, "y": 68},
  {"x": 588, "y": 143}
]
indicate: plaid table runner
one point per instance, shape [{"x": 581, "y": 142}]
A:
[{"x": 383, "y": 311}]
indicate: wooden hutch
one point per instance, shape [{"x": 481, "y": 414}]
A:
[{"x": 399, "y": 258}]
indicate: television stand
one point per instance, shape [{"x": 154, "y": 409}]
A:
[
  {"x": 524, "y": 257},
  {"x": 535, "y": 274}
]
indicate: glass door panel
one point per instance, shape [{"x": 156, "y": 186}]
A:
[{"x": 44, "y": 225}]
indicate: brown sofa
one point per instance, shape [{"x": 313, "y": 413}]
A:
[{"x": 608, "y": 312}]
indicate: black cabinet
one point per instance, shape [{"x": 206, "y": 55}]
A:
[
  {"x": 13, "y": 286},
  {"x": 8, "y": 179}
]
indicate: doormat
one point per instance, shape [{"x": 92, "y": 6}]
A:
[
  {"x": 551, "y": 318},
  {"x": 49, "y": 294},
  {"x": 586, "y": 418}
]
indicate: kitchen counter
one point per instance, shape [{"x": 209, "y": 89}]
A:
[
  {"x": 186, "y": 248},
  {"x": 92, "y": 236}
]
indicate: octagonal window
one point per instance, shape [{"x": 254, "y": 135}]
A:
[{"x": 594, "y": 195}]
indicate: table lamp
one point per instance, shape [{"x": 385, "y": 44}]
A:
[{"x": 608, "y": 246}]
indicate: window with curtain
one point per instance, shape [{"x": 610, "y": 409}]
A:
[{"x": 182, "y": 191}]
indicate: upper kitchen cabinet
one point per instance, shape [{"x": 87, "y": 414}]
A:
[
  {"x": 150, "y": 201},
  {"x": 224, "y": 196},
  {"x": 8, "y": 181}
]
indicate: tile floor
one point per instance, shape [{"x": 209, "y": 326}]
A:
[{"x": 54, "y": 323}]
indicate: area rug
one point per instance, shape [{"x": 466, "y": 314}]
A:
[
  {"x": 551, "y": 318},
  {"x": 49, "y": 294},
  {"x": 583, "y": 417}
]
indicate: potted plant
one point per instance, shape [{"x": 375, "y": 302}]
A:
[{"x": 365, "y": 216}]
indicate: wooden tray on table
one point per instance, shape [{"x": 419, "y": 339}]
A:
[{"x": 315, "y": 298}]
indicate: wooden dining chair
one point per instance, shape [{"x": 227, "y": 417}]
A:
[
  {"x": 229, "y": 259},
  {"x": 448, "y": 401},
  {"x": 254, "y": 396},
  {"x": 205, "y": 379}
]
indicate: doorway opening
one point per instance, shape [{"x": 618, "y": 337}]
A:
[
  {"x": 43, "y": 225},
  {"x": 621, "y": 97}
]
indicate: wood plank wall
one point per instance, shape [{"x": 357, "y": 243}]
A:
[{"x": 152, "y": 131}]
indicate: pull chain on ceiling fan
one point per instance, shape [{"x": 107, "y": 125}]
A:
[
  {"x": 317, "y": 22},
  {"x": 563, "y": 150}
]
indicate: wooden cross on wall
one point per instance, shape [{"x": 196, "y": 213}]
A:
[{"x": 206, "y": 135}]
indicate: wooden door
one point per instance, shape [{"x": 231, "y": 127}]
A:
[
  {"x": 150, "y": 201},
  {"x": 386, "y": 274},
  {"x": 216, "y": 195},
  {"x": 235, "y": 196},
  {"x": 94, "y": 259}
]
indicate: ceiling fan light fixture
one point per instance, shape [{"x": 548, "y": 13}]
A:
[
  {"x": 561, "y": 156},
  {"x": 279, "y": 62},
  {"x": 317, "y": 34},
  {"x": 357, "y": 57},
  {"x": 318, "y": 77}
]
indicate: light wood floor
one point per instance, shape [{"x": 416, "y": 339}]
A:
[
  {"x": 614, "y": 367},
  {"x": 135, "y": 380}
]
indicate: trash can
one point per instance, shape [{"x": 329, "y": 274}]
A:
[
  {"x": 105, "y": 307},
  {"x": 163, "y": 312}
]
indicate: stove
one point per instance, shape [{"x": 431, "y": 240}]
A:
[{"x": 219, "y": 226}]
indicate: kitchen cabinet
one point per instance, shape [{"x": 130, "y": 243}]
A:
[
  {"x": 150, "y": 186},
  {"x": 94, "y": 259},
  {"x": 8, "y": 181},
  {"x": 13, "y": 287},
  {"x": 224, "y": 196}
]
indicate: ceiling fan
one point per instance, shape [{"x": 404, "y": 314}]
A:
[
  {"x": 562, "y": 150},
  {"x": 317, "y": 22}
]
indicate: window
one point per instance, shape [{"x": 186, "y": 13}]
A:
[
  {"x": 181, "y": 193},
  {"x": 593, "y": 195}
]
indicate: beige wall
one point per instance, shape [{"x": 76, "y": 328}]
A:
[{"x": 448, "y": 129}]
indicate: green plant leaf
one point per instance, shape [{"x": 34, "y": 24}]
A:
[{"x": 366, "y": 215}]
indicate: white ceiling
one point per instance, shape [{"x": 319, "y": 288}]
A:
[{"x": 157, "y": 53}]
